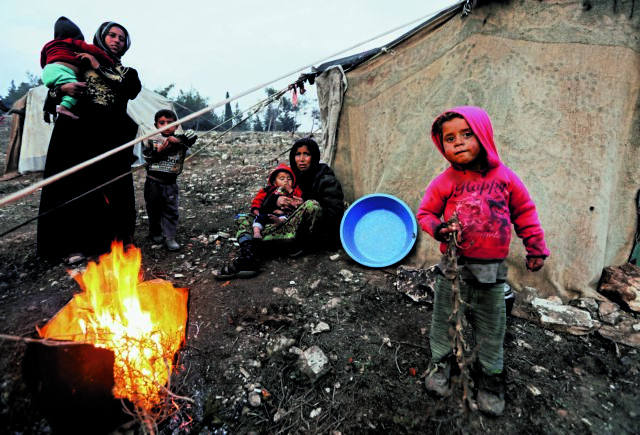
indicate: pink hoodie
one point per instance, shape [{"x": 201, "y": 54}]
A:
[{"x": 487, "y": 202}]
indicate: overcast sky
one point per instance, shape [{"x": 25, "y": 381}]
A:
[{"x": 211, "y": 46}]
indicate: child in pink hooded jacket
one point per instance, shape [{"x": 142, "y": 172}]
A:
[{"x": 488, "y": 198}]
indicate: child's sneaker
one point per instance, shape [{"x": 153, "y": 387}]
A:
[
  {"x": 491, "y": 394},
  {"x": 438, "y": 381}
]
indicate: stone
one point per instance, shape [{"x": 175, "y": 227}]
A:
[
  {"x": 553, "y": 314},
  {"x": 296, "y": 350},
  {"x": 621, "y": 284},
  {"x": 279, "y": 414},
  {"x": 626, "y": 331},
  {"x": 278, "y": 344},
  {"x": 320, "y": 327},
  {"x": 588, "y": 304},
  {"x": 609, "y": 312},
  {"x": 313, "y": 363},
  {"x": 534, "y": 390},
  {"x": 254, "y": 399},
  {"x": 347, "y": 275},
  {"x": 333, "y": 303}
]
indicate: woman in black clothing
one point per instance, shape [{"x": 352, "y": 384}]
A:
[{"x": 89, "y": 224}]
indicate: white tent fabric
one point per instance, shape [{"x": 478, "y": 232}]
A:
[{"x": 36, "y": 133}]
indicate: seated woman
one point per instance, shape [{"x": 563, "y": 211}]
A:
[{"x": 312, "y": 219}]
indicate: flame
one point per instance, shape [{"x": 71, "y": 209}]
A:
[{"x": 143, "y": 323}]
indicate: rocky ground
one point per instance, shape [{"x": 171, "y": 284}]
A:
[{"x": 240, "y": 365}]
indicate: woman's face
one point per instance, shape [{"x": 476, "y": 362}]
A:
[
  {"x": 115, "y": 40},
  {"x": 303, "y": 158}
]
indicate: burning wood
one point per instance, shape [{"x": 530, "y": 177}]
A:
[{"x": 142, "y": 323}]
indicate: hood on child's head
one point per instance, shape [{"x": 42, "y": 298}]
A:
[
  {"x": 480, "y": 123},
  {"x": 64, "y": 28},
  {"x": 281, "y": 168}
]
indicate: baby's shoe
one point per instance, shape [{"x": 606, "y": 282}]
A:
[
  {"x": 157, "y": 239},
  {"x": 171, "y": 245},
  {"x": 491, "y": 394}
]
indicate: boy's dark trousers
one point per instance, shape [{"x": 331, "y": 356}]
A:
[{"x": 161, "y": 201}]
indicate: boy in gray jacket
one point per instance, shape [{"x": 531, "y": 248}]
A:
[{"x": 165, "y": 153}]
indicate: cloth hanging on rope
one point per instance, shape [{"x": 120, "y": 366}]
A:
[{"x": 332, "y": 84}]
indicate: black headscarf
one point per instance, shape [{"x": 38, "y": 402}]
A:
[{"x": 101, "y": 34}]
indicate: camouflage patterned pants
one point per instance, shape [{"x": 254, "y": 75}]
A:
[
  {"x": 298, "y": 225},
  {"x": 485, "y": 309}
]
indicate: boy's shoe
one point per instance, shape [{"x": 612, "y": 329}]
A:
[
  {"x": 74, "y": 259},
  {"x": 438, "y": 381},
  {"x": 491, "y": 394},
  {"x": 157, "y": 239},
  {"x": 171, "y": 245}
]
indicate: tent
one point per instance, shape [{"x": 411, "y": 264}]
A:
[
  {"x": 561, "y": 82},
  {"x": 29, "y": 140}
]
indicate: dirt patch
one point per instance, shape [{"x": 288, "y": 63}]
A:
[{"x": 377, "y": 345}]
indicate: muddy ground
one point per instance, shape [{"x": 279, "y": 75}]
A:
[{"x": 378, "y": 345}]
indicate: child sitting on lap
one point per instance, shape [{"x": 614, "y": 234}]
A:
[{"x": 264, "y": 205}]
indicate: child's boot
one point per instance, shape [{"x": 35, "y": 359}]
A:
[
  {"x": 491, "y": 394},
  {"x": 171, "y": 245},
  {"x": 438, "y": 381}
]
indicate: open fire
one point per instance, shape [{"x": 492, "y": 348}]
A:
[{"x": 142, "y": 323}]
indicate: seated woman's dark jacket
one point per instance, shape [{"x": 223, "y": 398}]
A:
[{"x": 320, "y": 184}]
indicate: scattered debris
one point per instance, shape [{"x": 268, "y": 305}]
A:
[{"x": 417, "y": 284}]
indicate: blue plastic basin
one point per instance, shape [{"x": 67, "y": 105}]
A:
[{"x": 378, "y": 230}]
